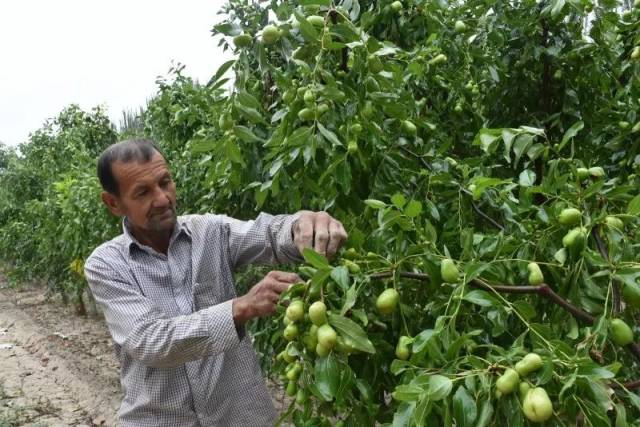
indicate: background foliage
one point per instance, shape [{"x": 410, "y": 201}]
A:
[{"x": 429, "y": 140}]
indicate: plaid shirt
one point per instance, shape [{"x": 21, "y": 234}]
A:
[{"x": 183, "y": 363}]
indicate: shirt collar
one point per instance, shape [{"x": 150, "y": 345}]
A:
[{"x": 181, "y": 226}]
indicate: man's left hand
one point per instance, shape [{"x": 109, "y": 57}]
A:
[{"x": 320, "y": 231}]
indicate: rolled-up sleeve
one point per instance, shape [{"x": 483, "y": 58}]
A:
[
  {"x": 266, "y": 240},
  {"x": 146, "y": 333}
]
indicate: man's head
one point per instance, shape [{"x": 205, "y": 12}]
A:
[{"x": 137, "y": 184}]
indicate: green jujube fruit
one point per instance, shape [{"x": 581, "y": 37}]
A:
[
  {"x": 270, "y": 34},
  {"x": 292, "y": 388},
  {"x": 327, "y": 336},
  {"x": 242, "y": 40},
  {"x": 537, "y": 406},
  {"x": 530, "y": 363},
  {"x": 295, "y": 311},
  {"x": 575, "y": 238},
  {"x": 387, "y": 301},
  {"x": 322, "y": 351},
  {"x": 290, "y": 332},
  {"x": 409, "y": 128},
  {"x": 402, "y": 348},
  {"x": 596, "y": 171},
  {"x": 306, "y": 114},
  {"x": 621, "y": 333},
  {"x": 351, "y": 266},
  {"x": 507, "y": 381},
  {"x": 631, "y": 296},
  {"x": 460, "y": 27},
  {"x": 316, "y": 20},
  {"x": 524, "y": 388},
  {"x": 570, "y": 216},
  {"x": 449, "y": 271},
  {"x": 309, "y": 97},
  {"x": 318, "y": 313},
  {"x": 583, "y": 173},
  {"x": 535, "y": 274},
  {"x": 614, "y": 222},
  {"x": 301, "y": 397}
]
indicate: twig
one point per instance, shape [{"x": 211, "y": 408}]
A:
[
  {"x": 487, "y": 217},
  {"x": 543, "y": 290},
  {"x": 604, "y": 251},
  {"x": 464, "y": 190},
  {"x": 631, "y": 385}
]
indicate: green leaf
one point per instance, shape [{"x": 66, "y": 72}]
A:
[
  {"x": 202, "y": 145},
  {"x": 245, "y": 134},
  {"x": 326, "y": 3},
  {"x": 349, "y": 300},
  {"x": 398, "y": 200},
  {"x": 350, "y": 329},
  {"x": 486, "y": 413},
  {"x": 423, "y": 408},
  {"x": 375, "y": 204},
  {"x": 527, "y": 178},
  {"x": 307, "y": 30},
  {"x": 341, "y": 276},
  {"x": 315, "y": 259},
  {"x": 439, "y": 387},
  {"x": 570, "y": 133},
  {"x": 403, "y": 416},
  {"x": 407, "y": 393},
  {"x": 422, "y": 339},
  {"x": 221, "y": 70},
  {"x": 330, "y": 136},
  {"x": 481, "y": 298},
  {"x": 248, "y": 100},
  {"x": 413, "y": 209},
  {"x": 250, "y": 114},
  {"x": 634, "y": 206},
  {"x": 465, "y": 410},
  {"x": 327, "y": 374}
]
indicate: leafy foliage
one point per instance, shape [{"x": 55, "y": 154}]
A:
[{"x": 432, "y": 130}]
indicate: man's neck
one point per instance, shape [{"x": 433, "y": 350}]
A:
[{"x": 159, "y": 241}]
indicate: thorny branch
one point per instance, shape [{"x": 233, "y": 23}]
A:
[{"x": 543, "y": 290}]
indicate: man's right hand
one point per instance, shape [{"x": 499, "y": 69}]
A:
[{"x": 263, "y": 297}]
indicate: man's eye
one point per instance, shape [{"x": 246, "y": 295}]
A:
[{"x": 141, "y": 193}]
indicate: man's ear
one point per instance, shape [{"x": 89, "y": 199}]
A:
[{"x": 112, "y": 203}]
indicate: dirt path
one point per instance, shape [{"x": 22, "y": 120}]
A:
[{"x": 57, "y": 369}]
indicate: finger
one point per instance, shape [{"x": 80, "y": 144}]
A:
[
  {"x": 321, "y": 232},
  {"x": 337, "y": 236},
  {"x": 285, "y": 276},
  {"x": 280, "y": 287},
  {"x": 303, "y": 232}
]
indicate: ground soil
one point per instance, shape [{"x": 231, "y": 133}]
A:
[{"x": 56, "y": 368}]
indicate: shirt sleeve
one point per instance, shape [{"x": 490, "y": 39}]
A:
[
  {"x": 266, "y": 240},
  {"x": 146, "y": 333}
]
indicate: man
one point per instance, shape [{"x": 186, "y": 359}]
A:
[{"x": 167, "y": 291}]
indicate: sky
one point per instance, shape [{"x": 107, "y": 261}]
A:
[{"x": 54, "y": 53}]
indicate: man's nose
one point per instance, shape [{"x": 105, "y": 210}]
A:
[{"x": 161, "y": 198}]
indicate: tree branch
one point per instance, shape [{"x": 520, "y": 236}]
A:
[{"x": 543, "y": 290}]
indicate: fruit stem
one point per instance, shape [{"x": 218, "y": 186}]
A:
[{"x": 604, "y": 252}]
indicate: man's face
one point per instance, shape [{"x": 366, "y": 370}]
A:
[{"x": 147, "y": 195}]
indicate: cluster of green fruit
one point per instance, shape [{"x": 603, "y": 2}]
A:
[
  {"x": 316, "y": 335},
  {"x": 536, "y": 405}
]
